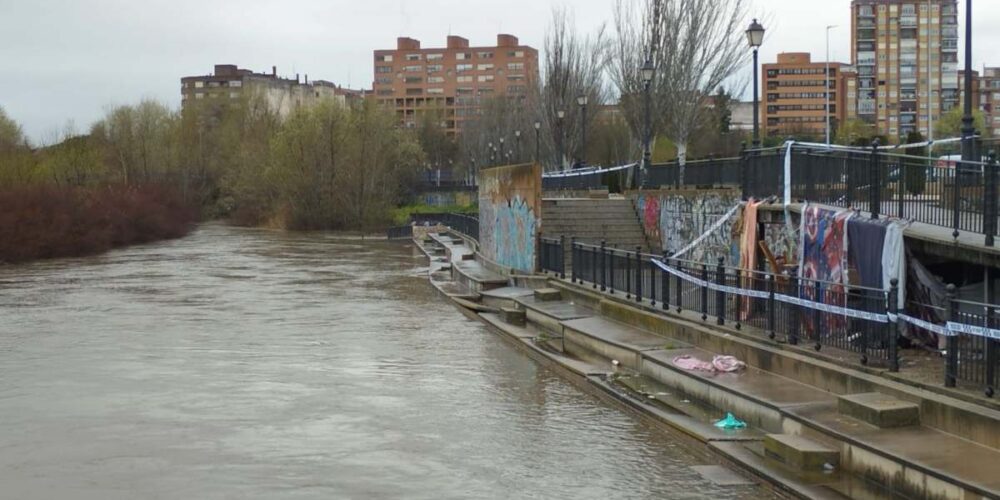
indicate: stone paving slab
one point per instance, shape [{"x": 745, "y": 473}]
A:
[
  {"x": 561, "y": 311},
  {"x": 477, "y": 272},
  {"x": 510, "y": 292},
  {"x": 933, "y": 449},
  {"x": 774, "y": 389},
  {"x": 617, "y": 333}
]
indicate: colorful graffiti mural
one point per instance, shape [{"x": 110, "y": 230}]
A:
[
  {"x": 510, "y": 201},
  {"x": 675, "y": 220}
]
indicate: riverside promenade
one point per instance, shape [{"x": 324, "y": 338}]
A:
[{"x": 815, "y": 428}]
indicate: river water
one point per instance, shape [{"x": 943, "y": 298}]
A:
[{"x": 242, "y": 363}]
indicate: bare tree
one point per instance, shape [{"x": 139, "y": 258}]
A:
[
  {"x": 574, "y": 66},
  {"x": 695, "y": 46}
]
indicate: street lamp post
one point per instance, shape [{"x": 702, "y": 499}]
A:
[
  {"x": 968, "y": 124},
  {"x": 538, "y": 141},
  {"x": 561, "y": 136},
  {"x": 648, "y": 71},
  {"x": 826, "y": 82},
  {"x": 755, "y": 36},
  {"x": 500, "y": 154},
  {"x": 517, "y": 145},
  {"x": 582, "y": 101},
  {"x": 489, "y": 149}
]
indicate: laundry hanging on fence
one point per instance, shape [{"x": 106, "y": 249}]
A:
[
  {"x": 748, "y": 251},
  {"x": 719, "y": 364},
  {"x": 894, "y": 261},
  {"x": 865, "y": 250},
  {"x": 823, "y": 260}
]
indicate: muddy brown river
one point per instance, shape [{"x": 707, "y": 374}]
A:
[{"x": 242, "y": 363}]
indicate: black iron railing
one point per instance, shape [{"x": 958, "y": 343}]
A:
[
  {"x": 465, "y": 224},
  {"x": 712, "y": 172},
  {"x": 553, "y": 256},
  {"x": 400, "y": 233},
  {"x": 817, "y": 313}
]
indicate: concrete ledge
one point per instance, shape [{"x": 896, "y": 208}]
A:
[
  {"x": 548, "y": 295},
  {"x": 879, "y": 410},
  {"x": 513, "y": 316},
  {"x": 800, "y": 453}
]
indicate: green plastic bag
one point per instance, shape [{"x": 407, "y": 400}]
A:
[{"x": 730, "y": 423}]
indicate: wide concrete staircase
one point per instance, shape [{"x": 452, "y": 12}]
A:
[{"x": 592, "y": 221}]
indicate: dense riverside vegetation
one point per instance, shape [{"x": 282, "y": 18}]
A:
[{"x": 146, "y": 172}]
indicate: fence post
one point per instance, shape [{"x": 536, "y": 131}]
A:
[
  {"x": 990, "y": 200},
  {"x": 896, "y": 324},
  {"x": 704, "y": 293},
  {"x": 611, "y": 271},
  {"x": 875, "y": 182},
  {"x": 771, "y": 308},
  {"x": 720, "y": 296},
  {"x": 595, "y": 267},
  {"x": 628, "y": 275},
  {"x": 638, "y": 274},
  {"x": 796, "y": 320},
  {"x": 900, "y": 187},
  {"x": 818, "y": 315},
  {"x": 956, "y": 195},
  {"x": 951, "y": 344},
  {"x": 848, "y": 171},
  {"x": 665, "y": 284},
  {"x": 744, "y": 175},
  {"x": 574, "y": 259},
  {"x": 678, "y": 288},
  {"x": 562, "y": 257}
]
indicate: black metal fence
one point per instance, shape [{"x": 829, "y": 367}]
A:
[
  {"x": 944, "y": 192},
  {"x": 553, "y": 257},
  {"x": 821, "y": 314},
  {"x": 855, "y": 319},
  {"x": 712, "y": 172},
  {"x": 465, "y": 224}
]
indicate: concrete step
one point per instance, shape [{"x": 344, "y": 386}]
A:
[
  {"x": 800, "y": 453},
  {"x": 513, "y": 316},
  {"x": 548, "y": 295},
  {"x": 550, "y": 315},
  {"x": 882, "y": 411},
  {"x": 504, "y": 297}
]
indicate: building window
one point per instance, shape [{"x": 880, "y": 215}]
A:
[
  {"x": 413, "y": 79},
  {"x": 485, "y": 67},
  {"x": 199, "y": 95},
  {"x": 435, "y": 91},
  {"x": 464, "y": 79},
  {"x": 461, "y": 56},
  {"x": 434, "y": 68},
  {"x": 435, "y": 79},
  {"x": 435, "y": 57},
  {"x": 485, "y": 55},
  {"x": 383, "y": 80},
  {"x": 485, "y": 78},
  {"x": 515, "y": 66},
  {"x": 234, "y": 95},
  {"x": 463, "y": 67},
  {"x": 383, "y": 58},
  {"x": 199, "y": 85},
  {"x": 414, "y": 69},
  {"x": 413, "y": 57},
  {"x": 516, "y": 54},
  {"x": 383, "y": 69},
  {"x": 236, "y": 83}
]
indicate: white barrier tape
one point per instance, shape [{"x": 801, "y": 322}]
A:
[
  {"x": 757, "y": 294},
  {"x": 715, "y": 227},
  {"x": 926, "y": 325},
  {"x": 581, "y": 173},
  {"x": 978, "y": 331}
]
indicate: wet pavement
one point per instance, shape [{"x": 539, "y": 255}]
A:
[{"x": 242, "y": 363}]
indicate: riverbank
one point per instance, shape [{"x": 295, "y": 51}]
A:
[
  {"x": 46, "y": 222},
  {"x": 815, "y": 429}
]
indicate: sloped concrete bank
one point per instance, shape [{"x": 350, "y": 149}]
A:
[{"x": 802, "y": 437}]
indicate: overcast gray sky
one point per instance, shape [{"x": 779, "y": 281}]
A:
[{"x": 68, "y": 60}]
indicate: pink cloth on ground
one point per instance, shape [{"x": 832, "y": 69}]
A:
[{"x": 723, "y": 364}]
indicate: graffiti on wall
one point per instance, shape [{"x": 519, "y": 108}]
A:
[
  {"x": 676, "y": 220},
  {"x": 510, "y": 201}
]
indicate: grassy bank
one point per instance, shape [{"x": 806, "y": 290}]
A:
[{"x": 44, "y": 222}]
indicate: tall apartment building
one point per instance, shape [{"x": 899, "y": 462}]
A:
[
  {"x": 989, "y": 100},
  {"x": 453, "y": 80},
  {"x": 229, "y": 84},
  {"x": 796, "y": 95},
  {"x": 906, "y": 55}
]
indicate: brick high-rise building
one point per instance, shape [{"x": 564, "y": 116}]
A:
[
  {"x": 989, "y": 100},
  {"x": 796, "y": 95},
  {"x": 454, "y": 79},
  {"x": 906, "y": 54}
]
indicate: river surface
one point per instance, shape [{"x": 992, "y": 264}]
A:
[{"x": 241, "y": 363}]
